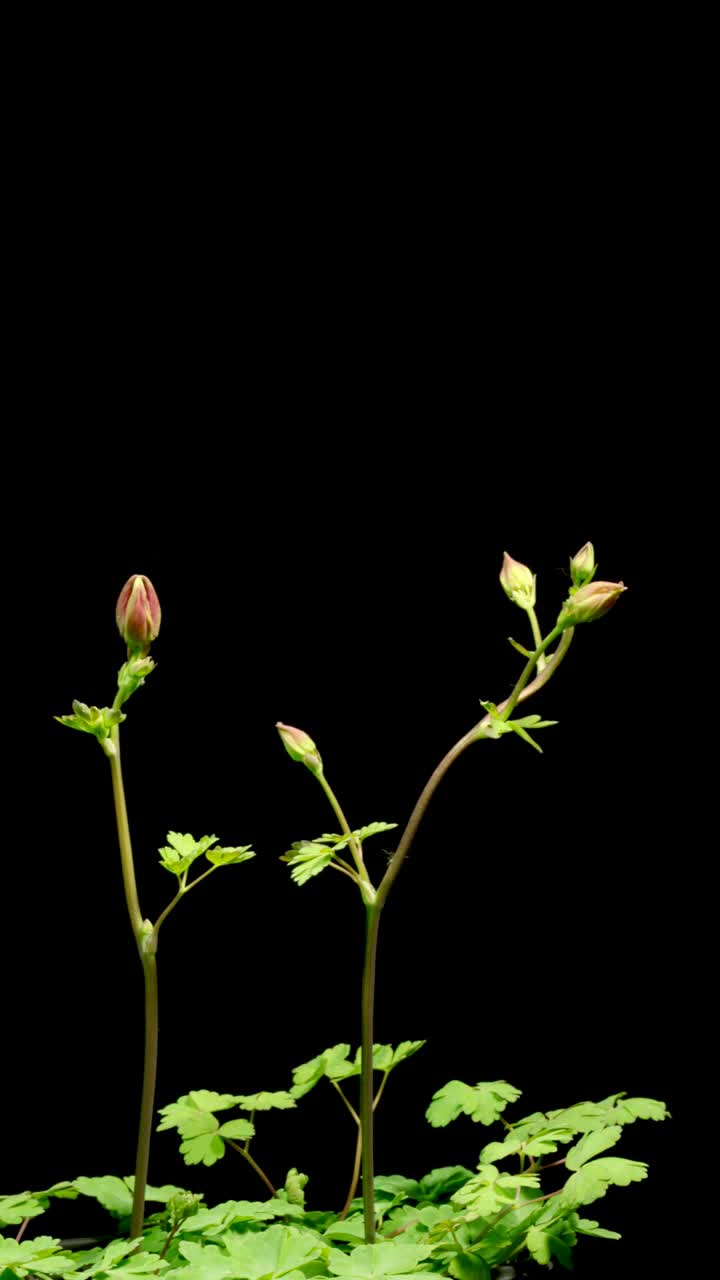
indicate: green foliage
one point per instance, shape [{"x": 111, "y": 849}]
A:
[
  {"x": 202, "y": 1133},
  {"x": 14, "y": 1209},
  {"x": 389, "y": 1258},
  {"x": 279, "y": 1100},
  {"x": 99, "y": 721},
  {"x": 336, "y": 1064},
  {"x": 483, "y": 1102},
  {"x": 592, "y": 1180},
  {"x": 183, "y": 849},
  {"x": 39, "y": 1257},
  {"x": 497, "y": 727},
  {"x": 308, "y": 858}
]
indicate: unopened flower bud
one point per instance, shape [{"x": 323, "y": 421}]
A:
[
  {"x": 138, "y": 614},
  {"x": 518, "y": 582},
  {"x": 300, "y": 746},
  {"x": 582, "y": 565},
  {"x": 590, "y": 602}
]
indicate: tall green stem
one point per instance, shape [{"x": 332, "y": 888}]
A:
[
  {"x": 372, "y": 922},
  {"x": 145, "y": 943},
  {"x": 147, "y": 1104}
]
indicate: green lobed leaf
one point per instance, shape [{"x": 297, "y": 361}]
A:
[
  {"x": 394, "y": 1185},
  {"x": 276, "y": 1251},
  {"x": 556, "y": 1241},
  {"x": 630, "y": 1109},
  {"x": 112, "y": 1193},
  {"x": 204, "y": 1148},
  {"x": 241, "y": 1129},
  {"x": 443, "y": 1182},
  {"x": 119, "y": 1258},
  {"x": 373, "y": 829},
  {"x": 591, "y": 1181},
  {"x": 13, "y": 1209},
  {"x": 351, "y": 1228},
  {"x": 483, "y": 1102},
  {"x": 206, "y": 1262},
  {"x": 182, "y": 849},
  {"x": 583, "y": 1117},
  {"x": 591, "y": 1144},
  {"x": 308, "y": 1074},
  {"x": 469, "y": 1266},
  {"x": 212, "y": 1222},
  {"x": 207, "y": 1100},
  {"x": 307, "y": 859},
  {"x": 40, "y": 1256},
  {"x": 227, "y": 857},
  {"x": 587, "y": 1227},
  {"x": 263, "y": 1101},
  {"x": 389, "y": 1258}
]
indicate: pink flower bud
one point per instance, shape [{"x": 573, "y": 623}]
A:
[
  {"x": 300, "y": 746},
  {"x": 582, "y": 565},
  {"x": 518, "y": 582},
  {"x": 590, "y": 602},
  {"x": 138, "y": 614}
]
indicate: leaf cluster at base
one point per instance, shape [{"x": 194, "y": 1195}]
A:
[{"x": 452, "y": 1222}]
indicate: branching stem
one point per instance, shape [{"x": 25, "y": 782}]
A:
[
  {"x": 253, "y": 1164},
  {"x": 523, "y": 689}
]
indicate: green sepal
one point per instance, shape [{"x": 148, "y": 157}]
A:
[{"x": 526, "y": 653}]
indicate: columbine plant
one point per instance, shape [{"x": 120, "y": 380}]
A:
[
  {"x": 138, "y": 617},
  {"x": 454, "y": 1221},
  {"x": 587, "y": 600}
]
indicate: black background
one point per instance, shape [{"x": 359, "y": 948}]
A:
[{"x": 314, "y": 395}]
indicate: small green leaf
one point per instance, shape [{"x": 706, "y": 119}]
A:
[
  {"x": 241, "y": 1129},
  {"x": 182, "y": 849},
  {"x": 443, "y": 1182},
  {"x": 307, "y": 859},
  {"x": 469, "y": 1266},
  {"x": 13, "y": 1209},
  {"x": 307, "y": 1075},
  {"x": 276, "y": 1251},
  {"x": 405, "y": 1050},
  {"x": 592, "y": 1181},
  {"x": 631, "y": 1109},
  {"x": 547, "y": 1242},
  {"x": 207, "y": 1100},
  {"x": 483, "y": 1102},
  {"x": 591, "y": 1144},
  {"x": 389, "y": 1258},
  {"x": 374, "y": 829},
  {"x": 265, "y": 1101},
  {"x": 112, "y": 1193},
  {"x": 222, "y": 857},
  {"x": 586, "y": 1227}
]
